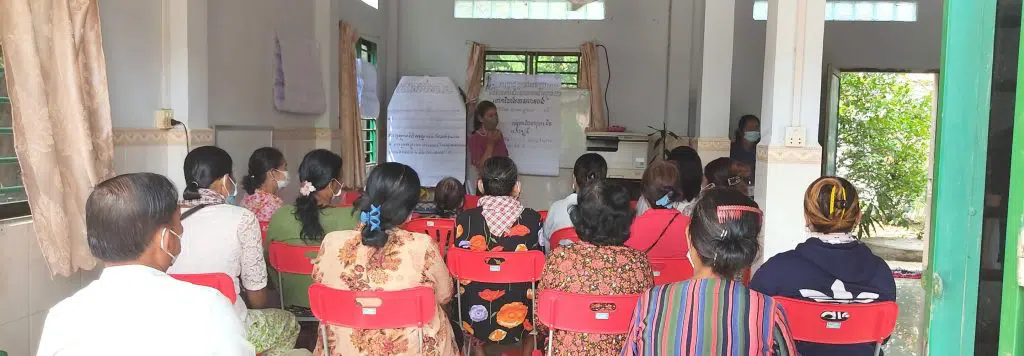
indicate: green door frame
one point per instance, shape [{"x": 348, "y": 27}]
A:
[
  {"x": 965, "y": 88},
  {"x": 1011, "y": 332}
]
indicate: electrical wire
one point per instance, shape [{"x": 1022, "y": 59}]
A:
[
  {"x": 607, "y": 84},
  {"x": 188, "y": 142}
]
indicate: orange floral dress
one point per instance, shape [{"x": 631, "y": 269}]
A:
[
  {"x": 497, "y": 313},
  {"x": 583, "y": 268},
  {"x": 407, "y": 260}
]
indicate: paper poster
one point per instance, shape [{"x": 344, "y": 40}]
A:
[
  {"x": 529, "y": 113},
  {"x": 366, "y": 86},
  {"x": 427, "y": 128}
]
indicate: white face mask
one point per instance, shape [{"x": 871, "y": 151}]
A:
[
  {"x": 340, "y": 190},
  {"x": 163, "y": 245},
  {"x": 283, "y": 182}
]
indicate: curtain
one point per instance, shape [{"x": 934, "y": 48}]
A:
[
  {"x": 57, "y": 81},
  {"x": 577, "y": 4},
  {"x": 590, "y": 79},
  {"x": 474, "y": 78},
  {"x": 353, "y": 172}
]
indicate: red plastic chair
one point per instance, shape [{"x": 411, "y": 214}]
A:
[
  {"x": 292, "y": 260},
  {"x": 840, "y": 324},
  {"x": 543, "y": 215},
  {"x": 632, "y": 204},
  {"x": 470, "y": 202},
  {"x": 219, "y": 281},
  {"x": 442, "y": 230},
  {"x": 670, "y": 270},
  {"x": 566, "y": 234},
  {"x": 516, "y": 267},
  {"x": 575, "y": 312},
  {"x": 371, "y": 310}
]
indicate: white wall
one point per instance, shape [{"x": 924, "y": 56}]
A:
[
  {"x": 848, "y": 45},
  {"x": 433, "y": 42},
  {"x": 132, "y": 47}
]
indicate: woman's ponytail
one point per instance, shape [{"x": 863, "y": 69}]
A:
[
  {"x": 392, "y": 191},
  {"x": 316, "y": 172}
]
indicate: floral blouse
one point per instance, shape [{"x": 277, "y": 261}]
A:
[
  {"x": 263, "y": 204},
  {"x": 583, "y": 268},
  {"x": 407, "y": 260}
]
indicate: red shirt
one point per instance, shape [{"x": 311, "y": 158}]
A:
[
  {"x": 478, "y": 145},
  {"x": 646, "y": 229}
]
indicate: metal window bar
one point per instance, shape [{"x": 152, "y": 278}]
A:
[{"x": 532, "y": 63}]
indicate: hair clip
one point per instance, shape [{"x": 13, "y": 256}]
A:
[
  {"x": 664, "y": 201},
  {"x": 733, "y": 212},
  {"x": 837, "y": 201},
  {"x": 735, "y": 180},
  {"x": 372, "y": 217},
  {"x": 306, "y": 189}
]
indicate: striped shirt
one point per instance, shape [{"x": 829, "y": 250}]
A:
[{"x": 708, "y": 317}]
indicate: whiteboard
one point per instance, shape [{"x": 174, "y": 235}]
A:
[
  {"x": 575, "y": 117},
  {"x": 240, "y": 142}
]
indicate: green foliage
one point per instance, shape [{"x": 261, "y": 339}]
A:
[
  {"x": 884, "y": 127},
  {"x": 567, "y": 66}
]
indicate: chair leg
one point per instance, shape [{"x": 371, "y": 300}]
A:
[
  {"x": 878, "y": 349},
  {"x": 551, "y": 338},
  {"x": 280, "y": 290},
  {"x": 465, "y": 336},
  {"x": 323, "y": 335}
]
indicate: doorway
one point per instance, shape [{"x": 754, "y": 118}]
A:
[{"x": 878, "y": 133}]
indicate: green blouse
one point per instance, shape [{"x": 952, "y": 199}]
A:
[{"x": 285, "y": 228}]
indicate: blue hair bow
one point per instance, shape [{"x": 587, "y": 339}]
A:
[
  {"x": 371, "y": 217},
  {"x": 664, "y": 202}
]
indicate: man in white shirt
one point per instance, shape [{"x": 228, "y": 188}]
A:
[{"x": 135, "y": 308}]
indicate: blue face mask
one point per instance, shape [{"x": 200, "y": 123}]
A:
[
  {"x": 233, "y": 197},
  {"x": 752, "y": 136}
]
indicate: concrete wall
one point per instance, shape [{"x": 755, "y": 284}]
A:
[{"x": 132, "y": 46}]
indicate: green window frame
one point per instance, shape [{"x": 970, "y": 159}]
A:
[
  {"x": 563, "y": 64},
  {"x": 367, "y": 50},
  {"x": 13, "y": 201}
]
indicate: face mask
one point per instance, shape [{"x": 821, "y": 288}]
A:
[
  {"x": 233, "y": 197},
  {"x": 283, "y": 182},
  {"x": 752, "y": 136},
  {"x": 163, "y": 246},
  {"x": 338, "y": 193}
]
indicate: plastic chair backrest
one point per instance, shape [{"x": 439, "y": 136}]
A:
[
  {"x": 632, "y": 204},
  {"x": 219, "y": 281},
  {"x": 543, "y": 215},
  {"x": 566, "y": 234},
  {"x": 264, "y": 226},
  {"x": 840, "y": 324},
  {"x": 442, "y": 230},
  {"x": 575, "y": 312},
  {"x": 516, "y": 267},
  {"x": 349, "y": 198},
  {"x": 292, "y": 259},
  {"x": 372, "y": 310},
  {"x": 470, "y": 202},
  {"x": 670, "y": 270}
]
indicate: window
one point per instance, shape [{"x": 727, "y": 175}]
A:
[
  {"x": 367, "y": 50},
  {"x": 883, "y": 11},
  {"x": 372, "y": 3},
  {"x": 566, "y": 65},
  {"x": 528, "y": 10},
  {"x": 13, "y": 201}
]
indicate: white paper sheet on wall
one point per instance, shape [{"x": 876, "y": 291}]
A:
[
  {"x": 298, "y": 82},
  {"x": 530, "y": 114},
  {"x": 366, "y": 85},
  {"x": 427, "y": 128}
]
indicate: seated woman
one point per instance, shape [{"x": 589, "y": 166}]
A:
[
  {"x": 661, "y": 231},
  {"x": 691, "y": 179},
  {"x": 498, "y": 313},
  {"x": 598, "y": 265},
  {"x": 449, "y": 196},
  {"x": 711, "y": 314},
  {"x": 224, "y": 238},
  {"x": 312, "y": 217},
  {"x": 831, "y": 266},
  {"x": 590, "y": 167},
  {"x": 379, "y": 255},
  {"x": 268, "y": 173},
  {"x": 134, "y": 226}
]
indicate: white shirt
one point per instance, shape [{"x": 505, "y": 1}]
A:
[
  {"x": 558, "y": 218},
  {"x": 225, "y": 239},
  {"x": 685, "y": 207},
  {"x": 137, "y": 310}
]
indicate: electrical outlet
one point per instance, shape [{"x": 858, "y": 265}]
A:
[
  {"x": 796, "y": 136},
  {"x": 162, "y": 118}
]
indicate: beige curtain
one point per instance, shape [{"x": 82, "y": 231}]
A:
[
  {"x": 353, "y": 172},
  {"x": 590, "y": 79},
  {"x": 474, "y": 78},
  {"x": 57, "y": 79}
]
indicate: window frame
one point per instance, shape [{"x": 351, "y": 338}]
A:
[
  {"x": 369, "y": 127},
  {"x": 582, "y": 14},
  {"x": 20, "y": 208},
  {"x": 531, "y": 61},
  {"x": 760, "y": 8}
]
